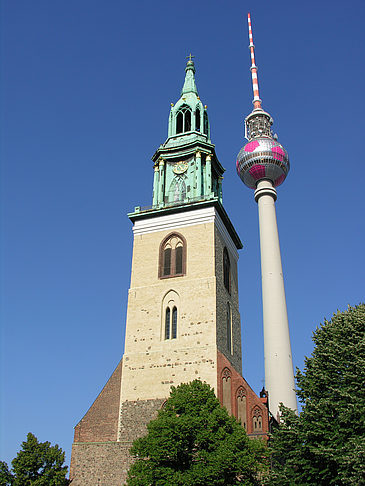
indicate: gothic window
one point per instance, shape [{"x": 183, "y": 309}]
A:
[
  {"x": 177, "y": 191},
  {"x": 226, "y": 388},
  {"x": 179, "y": 122},
  {"x": 241, "y": 406},
  {"x": 205, "y": 123},
  {"x": 183, "y": 120},
  {"x": 257, "y": 420},
  {"x": 187, "y": 125},
  {"x": 197, "y": 120},
  {"x": 172, "y": 256},
  {"x": 229, "y": 328},
  {"x": 174, "y": 323},
  {"x": 167, "y": 322},
  {"x": 170, "y": 305},
  {"x": 226, "y": 270}
]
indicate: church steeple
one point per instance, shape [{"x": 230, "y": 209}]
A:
[
  {"x": 186, "y": 167},
  {"x": 189, "y": 114}
]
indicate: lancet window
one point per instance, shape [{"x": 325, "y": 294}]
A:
[
  {"x": 183, "y": 120},
  {"x": 257, "y": 420},
  {"x": 226, "y": 270},
  {"x": 170, "y": 306},
  {"x": 241, "y": 406},
  {"x": 229, "y": 329},
  {"x": 172, "y": 256},
  {"x": 197, "y": 120},
  {"x": 226, "y": 389},
  {"x": 171, "y": 322}
]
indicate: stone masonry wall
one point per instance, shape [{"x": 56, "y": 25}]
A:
[{"x": 95, "y": 463}]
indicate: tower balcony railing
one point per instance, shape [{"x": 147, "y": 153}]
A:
[{"x": 171, "y": 204}]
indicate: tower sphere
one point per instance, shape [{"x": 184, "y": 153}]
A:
[{"x": 262, "y": 158}]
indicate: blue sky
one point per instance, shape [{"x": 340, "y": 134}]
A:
[{"x": 86, "y": 88}]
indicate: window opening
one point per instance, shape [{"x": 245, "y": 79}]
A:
[
  {"x": 205, "y": 123},
  {"x": 179, "y": 122},
  {"x": 226, "y": 270},
  {"x": 167, "y": 262},
  {"x": 187, "y": 121},
  {"x": 174, "y": 323},
  {"x": 197, "y": 120},
  {"x": 179, "y": 259},
  {"x": 167, "y": 323},
  {"x": 229, "y": 328},
  {"x": 172, "y": 257}
]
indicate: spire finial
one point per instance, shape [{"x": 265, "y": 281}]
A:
[
  {"x": 255, "y": 84},
  {"x": 189, "y": 84}
]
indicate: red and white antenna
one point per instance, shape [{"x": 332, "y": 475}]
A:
[{"x": 255, "y": 84}]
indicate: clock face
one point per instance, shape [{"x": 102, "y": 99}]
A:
[{"x": 180, "y": 167}]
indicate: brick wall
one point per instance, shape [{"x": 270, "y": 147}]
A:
[
  {"x": 100, "y": 423},
  {"x": 253, "y": 401}
]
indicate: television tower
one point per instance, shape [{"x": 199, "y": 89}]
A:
[{"x": 263, "y": 164}]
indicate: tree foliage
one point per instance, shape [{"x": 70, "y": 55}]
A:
[
  {"x": 195, "y": 442},
  {"x": 36, "y": 464},
  {"x": 325, "y": 445}
]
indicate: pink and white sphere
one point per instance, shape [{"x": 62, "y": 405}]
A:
[{"x": 262, "y": 158}]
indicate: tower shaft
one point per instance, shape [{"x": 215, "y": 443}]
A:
[{"x": 279, "y": 379}]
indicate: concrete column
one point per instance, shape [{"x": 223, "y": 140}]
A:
[
  {"x": 208, "y": 175},
  {"x": 161, "y": 181},
  {"x": 198, "y": 158},
  {"x": 155, "y": 186},
  {"x": 279, "y": 378}
]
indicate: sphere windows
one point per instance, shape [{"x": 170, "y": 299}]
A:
[{"x": 172, "y": 256}]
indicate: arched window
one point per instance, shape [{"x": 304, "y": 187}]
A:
[
  {"x": 179, "y": 122},
  {"x": 241, "y": 406},
  {"x": 187, "y": 125},
  {"x": 226, "y": 270},
  {"x": 177, "y": 190},
  {"x": 172, "y": 256},
  {"x": 197, "y": 120},
  {"x": 226, "y": 389},
  {"x": 170, "y": 305},
  {"x": 174, "y": 323},
  {"x": 205, "y": 123},
  {"x": 167, "y": 322},
  {"x": 257, "y": 420},
  {"x": 183, "y": 120},
  {"x": 229, "y": 329}
]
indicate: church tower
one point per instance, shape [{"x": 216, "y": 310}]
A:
[{"x": 183, "y": 320}]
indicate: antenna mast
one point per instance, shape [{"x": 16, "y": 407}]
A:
[{"x": 255, "y": 84}]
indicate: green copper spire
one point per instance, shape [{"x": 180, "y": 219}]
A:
[
  {"x": 189, "y": 116},
  {"x": 186, "y": 168},
  {"x": 189, "y": 83}
]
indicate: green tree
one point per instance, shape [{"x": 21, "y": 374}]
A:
[
  {"x": 36, "y": 464},
  {"x": 5, "y": 475},
  {"x": 325, "y": 445},
  {"x": 194, "y": 441}
]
